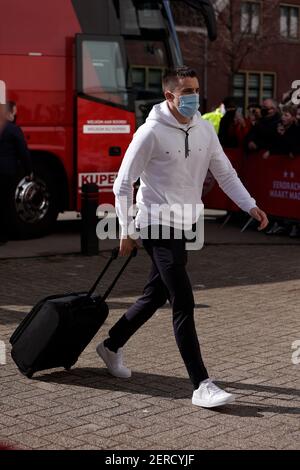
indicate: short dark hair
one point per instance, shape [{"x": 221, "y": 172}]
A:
[
  {"x": 254, "y": 105},
  {"x": 290, "y": 108},
  {"x": 10, "y": 106},
  {"x": 171, "y": 76}
]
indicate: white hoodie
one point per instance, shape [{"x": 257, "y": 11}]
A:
[{"x": 156, "y": 155}]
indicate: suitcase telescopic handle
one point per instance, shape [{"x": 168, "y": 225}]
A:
[{"x": 114, "y": 255}]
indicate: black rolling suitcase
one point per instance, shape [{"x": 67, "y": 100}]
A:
[{"x": 59, "y": 327}]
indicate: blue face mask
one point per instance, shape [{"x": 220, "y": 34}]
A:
[{"x": 188, "y": 104}]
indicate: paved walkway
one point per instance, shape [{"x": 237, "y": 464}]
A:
[{"x": 247, "y": 316}]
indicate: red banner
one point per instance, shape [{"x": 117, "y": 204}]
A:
[
  {"x": 213, "y": 196},
  {"x": 274, "y": 183}
]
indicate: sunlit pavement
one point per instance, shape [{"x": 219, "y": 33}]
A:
[{"x": 247, "y": 295}]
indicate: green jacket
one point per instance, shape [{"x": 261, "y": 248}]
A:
[{"x": 214, "y": 117}]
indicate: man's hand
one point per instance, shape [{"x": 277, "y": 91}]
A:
[
  {"x": 261, "y": 216},
  {"x": 252, "y": 145},
  {"x": 126, "y": 246},
  {"x": 266, "y": 155}
]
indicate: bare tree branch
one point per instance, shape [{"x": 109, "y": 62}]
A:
[{"x": 238, "y": 44}]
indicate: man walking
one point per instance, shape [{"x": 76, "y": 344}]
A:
[
  {"x": 171, "y": 154},
  {"x": 13, "y": 151}
]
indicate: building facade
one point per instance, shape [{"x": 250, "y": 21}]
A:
[{"x": 255, "y": 56}]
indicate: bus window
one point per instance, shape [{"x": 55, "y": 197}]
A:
[
  {"x": 137, "y": 15},
  {"x": 155, "y": 79},
  {"x": 138, "y": 77},
  {"x": 147, "y": 78},
  {"x": 103, "y": 73}
]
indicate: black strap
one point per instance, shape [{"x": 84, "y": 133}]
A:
[
  {"x": 186, "y": 142},
  {"x": 114, "y": 255}
]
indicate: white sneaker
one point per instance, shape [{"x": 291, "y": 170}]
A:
[
  {"x": 209, "y": 395},
  {"x": 113, "y": 361}
]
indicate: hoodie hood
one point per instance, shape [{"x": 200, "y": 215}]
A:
[{"x": 162, "y": 114}]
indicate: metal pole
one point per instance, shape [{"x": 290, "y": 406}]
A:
[
  {"x": 205, "y": 83},
  {"x": 89, "y": 204}
]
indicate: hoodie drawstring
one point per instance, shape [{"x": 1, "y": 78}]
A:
[{"x": 186, "y": 142}]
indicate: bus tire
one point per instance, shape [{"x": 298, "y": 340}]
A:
[{"x": 34, "y": 204}]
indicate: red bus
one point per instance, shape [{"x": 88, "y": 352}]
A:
[{"x": 84, "y": 75}]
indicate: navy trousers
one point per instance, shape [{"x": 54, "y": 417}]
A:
[{"x": 168, "y": 280}]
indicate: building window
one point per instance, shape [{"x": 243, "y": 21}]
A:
[
  {"x": 138, "y": 77},
  {"x": 289, "y": 22},
  {"x": 154, "y": 79},
  {"x": 268, "y": 86},
  {"x": 253, "y": 87},
  {"x": 147, "y": 78},
  {"x": 239, "y": 81},
  {"x": 250, "y": 17}
]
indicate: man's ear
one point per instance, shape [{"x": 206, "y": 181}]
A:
[{"x": 169, "y": 96}]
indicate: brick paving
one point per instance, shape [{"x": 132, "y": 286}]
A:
[{"x": 247, "y": 316}]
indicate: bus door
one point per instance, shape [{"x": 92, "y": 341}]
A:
[{"x": 105, "y": 121}]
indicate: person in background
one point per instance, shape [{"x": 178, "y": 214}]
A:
[
  {"x": 295, "y": 231},
  {"x": 12, "y": 111},
  {"x": 264, "y": 132},
  {"x": 287, "y": 142},
  {"x": 298, "y": 116},
  {"x": 252, "y": 118},
  {"x": 242, "y": 126},
  {"x": 287, "y": 139},
  {"x": 253, "y": 114},
  {"x": 228, "y": 129},
  {"x": 13, "y": 150},
  {"x": 286, "y": 99},
  {"x": 215, "y": 117}
]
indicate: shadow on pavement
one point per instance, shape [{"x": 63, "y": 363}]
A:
[
  {"x": 178, "y": 388},
  {"x": 13, "y": 317}
]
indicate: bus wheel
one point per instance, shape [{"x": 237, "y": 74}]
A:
[{"x": 34, "y": 206}]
